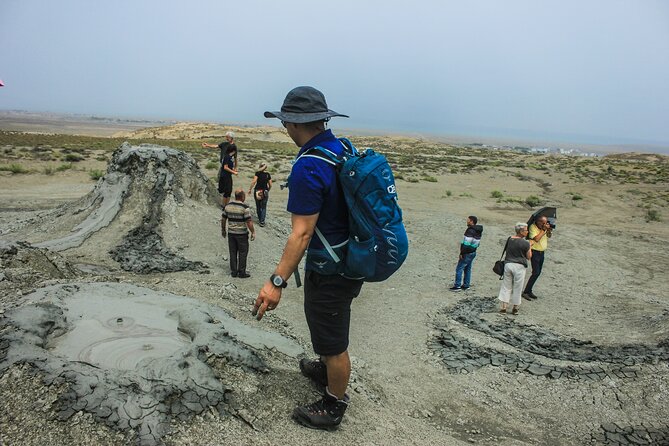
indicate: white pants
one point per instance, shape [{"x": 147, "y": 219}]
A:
[{"x": 512, "y": 284}]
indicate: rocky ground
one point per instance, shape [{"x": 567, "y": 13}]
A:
[{"x": 587, "y": 363}]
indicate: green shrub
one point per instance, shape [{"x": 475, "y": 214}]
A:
[
  {"x": 96, "y": 174},
  {"x": 101, "y": 158},
  {"x": 413, "y": 180},
  {"x": 63, "y": 167},
  {"x": 496, "y": 194},
  {"x": 430, "y": 179},
  {"x": 576, "y": 197},
  {"x": 48, "y": 170},
  {"x": 533, "y": 201},
  {"x": 14, "y": 168},
  {"x": 449, "y": 193},
  {"x": 652, "y": 215},
  {"x": 211, "y": 165},
  {"x": 72, "y": 157}
]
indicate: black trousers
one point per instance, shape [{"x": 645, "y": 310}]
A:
[
  {"x": 537, "y": 266},
  {"x": 239, "y": 250}
]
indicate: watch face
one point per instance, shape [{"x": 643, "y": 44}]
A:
[{"x": 278, "y": 281}]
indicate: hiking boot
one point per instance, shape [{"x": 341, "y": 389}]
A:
[
  {"x": 529, "y": 296},
  {"x": 325, "y": 413},
  {"x": 315, "y": 370},
  {"x": 455, "y": 288},
  {"x": 243, "y": 275}
]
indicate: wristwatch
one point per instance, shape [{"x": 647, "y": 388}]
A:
[{"x": 278, "y": 281}]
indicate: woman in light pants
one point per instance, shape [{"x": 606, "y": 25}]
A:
[{"x": 518, "y": 252}]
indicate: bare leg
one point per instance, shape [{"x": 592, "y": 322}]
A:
[{"x": 339, "y": 372}]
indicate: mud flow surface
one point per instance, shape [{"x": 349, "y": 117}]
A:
[{"x": 131, "y": 356}]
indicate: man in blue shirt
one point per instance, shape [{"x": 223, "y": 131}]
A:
[{"x": 316, "y": 204}]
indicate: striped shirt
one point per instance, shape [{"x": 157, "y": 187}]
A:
[{"x": 238, "y": 214}]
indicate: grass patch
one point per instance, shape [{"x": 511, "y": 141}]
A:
[
  {"x": 73, "y": 158},
  {"x": 96, "y": 174},
  {"x": 64, "y": 167},
  {"x": 211, "y": 165},
  {"x": 430, "y": 179},
  {"x": 496, "y": 194},
  {"x": 533, "y": 201},
  {"x": 449, "y": 193},
  {"x": 14, "y": 168},
  {"x": 576, "y": 197},
  {"x": 653, "y": 215}
]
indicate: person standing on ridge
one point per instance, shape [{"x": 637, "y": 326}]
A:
[
  {"x": 228, "y": 160},
  {"x": 316, "y": 204},
  {"x": 468, "y": 247}
]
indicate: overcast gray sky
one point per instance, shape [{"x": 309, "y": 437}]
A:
[{"x": 574, "y": 70}]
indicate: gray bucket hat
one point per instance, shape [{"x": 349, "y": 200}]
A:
[{"x": 304, "y": 104}]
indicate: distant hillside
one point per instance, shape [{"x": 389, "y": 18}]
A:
[{"x": 191, "y": 130}]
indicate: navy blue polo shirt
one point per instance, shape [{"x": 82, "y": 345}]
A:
[{"x": 313, "y": 188}]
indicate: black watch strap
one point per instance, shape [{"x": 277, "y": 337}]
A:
[{"x": 278, "y": 281}]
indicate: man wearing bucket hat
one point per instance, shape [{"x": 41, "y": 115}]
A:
[{"x": 316, "y": 203}]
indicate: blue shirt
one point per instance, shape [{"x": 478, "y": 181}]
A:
[{"x": 313, "y": 189}]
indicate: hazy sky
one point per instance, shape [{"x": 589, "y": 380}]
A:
[{"x": 573, "y": 70}]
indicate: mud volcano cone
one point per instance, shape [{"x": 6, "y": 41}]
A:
[{"x": 144, "y": 187}]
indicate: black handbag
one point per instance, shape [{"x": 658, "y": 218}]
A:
[{"x": 498, "y": 267}]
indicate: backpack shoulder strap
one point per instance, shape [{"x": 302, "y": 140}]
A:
[{"x": 321, "y": 153}]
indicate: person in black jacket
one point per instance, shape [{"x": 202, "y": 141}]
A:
[{"x": 470, "y": 242}]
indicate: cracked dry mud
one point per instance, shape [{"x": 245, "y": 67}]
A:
[{"x": 585, "y": 364}]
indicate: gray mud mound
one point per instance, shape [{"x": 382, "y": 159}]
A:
[
  {"x": 132, "y": 357},
  {"x": 147, "y": 184}
]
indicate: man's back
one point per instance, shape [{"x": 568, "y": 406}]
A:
[{"x": 238, "y": 214}]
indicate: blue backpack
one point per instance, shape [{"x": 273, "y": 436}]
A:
[{"x": 378, "y": 243}]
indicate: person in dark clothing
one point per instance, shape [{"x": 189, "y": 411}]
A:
[
  {"x": 228, "y": 159},
  {"x": 261, "y": 184},
  {"x": 237, "y": 216},
  {"x": 316, "y": 205},
  {"x": 468, "y": 247}
]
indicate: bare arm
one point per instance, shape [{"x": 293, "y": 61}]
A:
[
  {"x": 302, "y": 230},
  {"x": 253, "y": 183},
  {"x": 224, "y": 221},
  {"x": 269, "y": 184},
  {"x": 249, "y": 224},
  {"x": 209, "y": 146}
]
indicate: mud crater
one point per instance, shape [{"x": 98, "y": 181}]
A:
[{"x": 133, "y": 357}]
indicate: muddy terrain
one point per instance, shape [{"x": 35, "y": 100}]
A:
[{"x": 120, "y": 322}]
